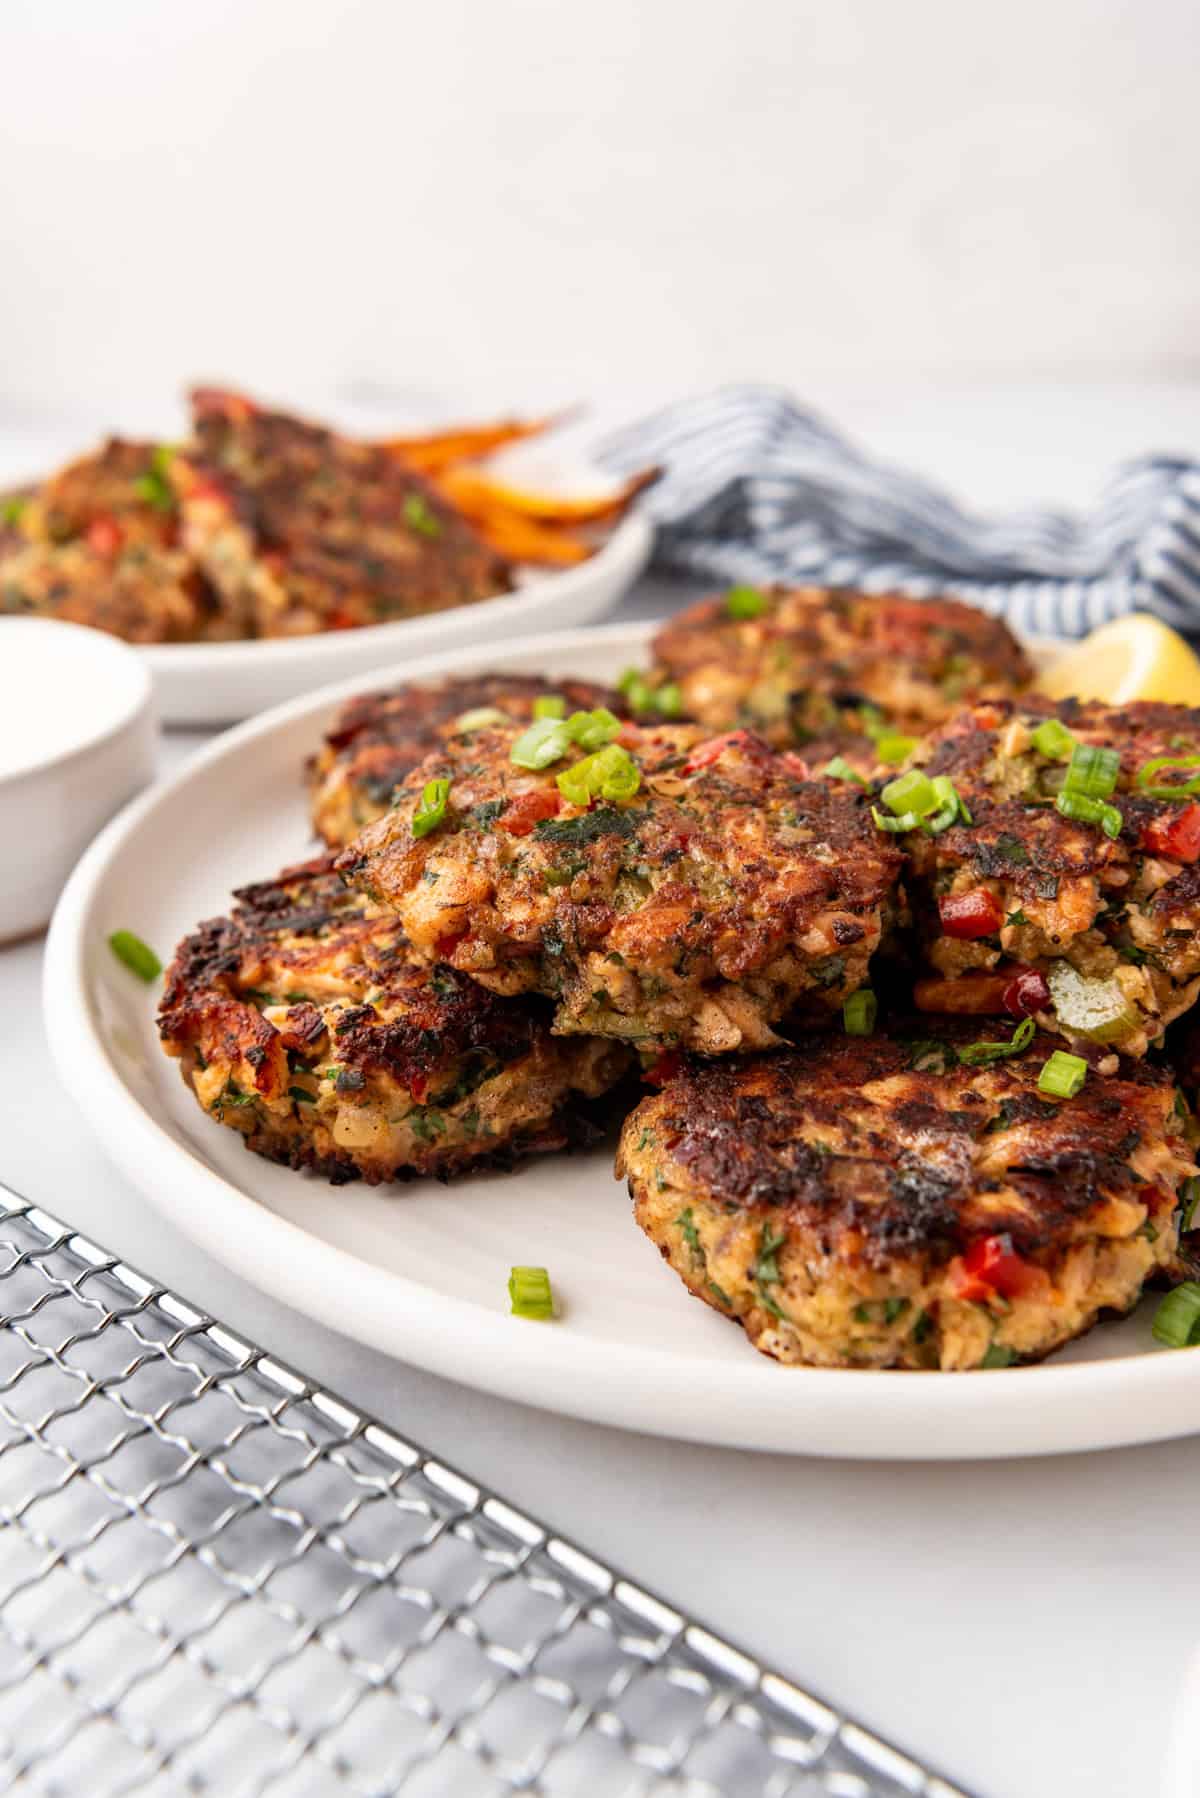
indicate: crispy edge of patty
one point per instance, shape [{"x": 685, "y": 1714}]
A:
[
  {"x": 377, "y": 1066},
  {"x": 698, "y": 914},
  {"x": 825, "y": 1198},
  {"x": 818, "y": 661},
  {"x": 378, "y": 738}
]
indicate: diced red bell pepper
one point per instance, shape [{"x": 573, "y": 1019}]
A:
[
  {"x": 1175, "y": 835},
  {"x": 528, "y": 809},
  {"x": 104, "y": 535},
  {"x": 664, "y": 1069},
  {"x": 1026, "y": 993},
  {"x": 991, "y": 1265},
  {"x": 973, "y": 914},
  {"x": 418, "y": 1086},
  {"x": 705, "y": 754}
]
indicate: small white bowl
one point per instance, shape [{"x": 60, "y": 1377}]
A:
[{"x": 77, "y": 734}]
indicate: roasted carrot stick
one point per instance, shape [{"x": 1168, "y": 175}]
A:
[
  {"x": 438, "y": 450},
  {"x": 469, "y": 488}
]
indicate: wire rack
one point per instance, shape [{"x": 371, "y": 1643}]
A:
[{"x": 217, "y": 1578}]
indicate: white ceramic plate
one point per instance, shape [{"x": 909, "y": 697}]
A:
[
  {"x": 217, "y": 683},
  {"x": 421, "y": 1271}
]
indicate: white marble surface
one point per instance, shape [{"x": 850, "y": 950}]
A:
[{"x": 1024, "y": 1625}]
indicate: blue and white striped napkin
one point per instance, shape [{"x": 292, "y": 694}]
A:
[{"x": 759, "y": 490}]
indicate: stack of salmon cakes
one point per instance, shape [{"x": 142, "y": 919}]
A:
[{"x": 891, "y": 944}]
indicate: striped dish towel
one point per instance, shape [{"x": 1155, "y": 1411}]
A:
[{"x": 756, "y": 489}]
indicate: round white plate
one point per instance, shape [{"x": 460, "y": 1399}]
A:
[
  {"x": 421, "y": 1270},
  {"x": 217, "y": 683}
]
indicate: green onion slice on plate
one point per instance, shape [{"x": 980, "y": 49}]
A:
[
  {"x": 529, "y": 1292},
  {"x": 137, "y": 956}
]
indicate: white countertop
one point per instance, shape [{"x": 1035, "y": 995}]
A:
[{"x": 1022, "y": 1625}]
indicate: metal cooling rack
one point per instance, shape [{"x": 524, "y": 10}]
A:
[{"x": 216, "y": 1578}]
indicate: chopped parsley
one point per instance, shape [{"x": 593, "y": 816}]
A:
[{"x": 605, "y": 821}]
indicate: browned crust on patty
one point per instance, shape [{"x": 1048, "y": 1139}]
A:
[
  {"x": 378, "y": 738},
  {"x": 872, "y": 1165},
  {"x": 819, "y": 660},
  {"x": 309, "y": 531},
  {"x": 698, "y": 913},
  {"x": 305, "y": 1023}
]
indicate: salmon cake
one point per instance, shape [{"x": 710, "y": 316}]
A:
[
  {"x": 301, "y": 530},
  {"x": 1067, "y": 886},
  {"x": 305, "y": 1023},
  {"x": 141, "y": 593},
  {"x": 802, "y": 664},
  {"x": 98, "y": 544},
  {"x": 660, "y": 886},
  {"x": 914, "y": 1199},
  {"x": 377, "y": 738}
]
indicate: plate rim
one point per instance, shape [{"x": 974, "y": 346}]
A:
[{"x": 851, "y": 1413}]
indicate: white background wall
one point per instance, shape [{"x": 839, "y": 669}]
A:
[{"x": 548, "y": 197}]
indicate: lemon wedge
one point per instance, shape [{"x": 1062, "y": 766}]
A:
[{"x": 1137, "y": 657}]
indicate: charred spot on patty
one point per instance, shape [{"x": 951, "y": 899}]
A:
[
  {"x": 304, "y": 1021},
  {"x": 695, "y": 909},
  {"x": 850, "y": 1208}
]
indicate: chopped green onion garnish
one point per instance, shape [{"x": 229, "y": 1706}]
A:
[
  {"x": 1177, "y": 1320},
  {"x": 906, "y": 821},
  {"x": 840, "y": 769},
  {"x": 611, "y": 773},
  {"x": 950, "y": 806},
  {"x": 893, "y": 748},
  {"x": 550, "y": 705},
  {"x": 432, "y": 807},
  {"x": 591, "y": 730},
  {"x": 1183, "y": 789},
  {"x": 1053, "y": 740},
  {"x": 640, "y": 695},
  {"x": 998, "y": 1356},
  {"x": 1063, "y": 1075},
  {"x": 859, "y": 1012},
  {"x": 643, "y": 697},
  {"x": 979, "y": 1054},
  {"x": 745, "y": 602},
  {"x": 12, "y": 507},
  {"x": 420, "y": 517},
  {"x": 1086, "y": 810},
  {"x": 529, "y": 1292},
  {"x": 1093, "y": 771},
  {"x": 547, "y": 740},
  {"x": 480, "y": 718},
  {"x": 138, "y": 956},
  {"x": 911, "y": 792},
  {"x": 1189, "y": 1198}
]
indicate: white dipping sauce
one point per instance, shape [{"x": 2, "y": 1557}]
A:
[{"x": 63, "y": 688}]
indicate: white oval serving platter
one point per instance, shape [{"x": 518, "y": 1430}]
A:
[{"x": 420, "y": 1271}]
